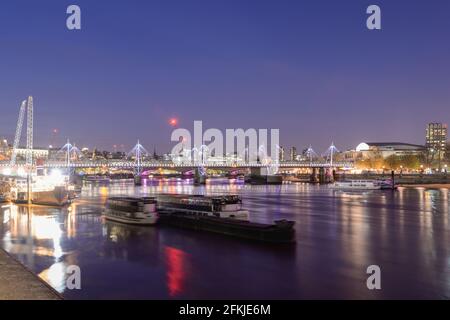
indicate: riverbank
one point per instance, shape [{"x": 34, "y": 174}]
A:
[
  {"x": 19, "y": 283},
  {"x": 428, "y": 185}
]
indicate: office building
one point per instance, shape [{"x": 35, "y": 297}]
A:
[{"x": 436, "y": 140}]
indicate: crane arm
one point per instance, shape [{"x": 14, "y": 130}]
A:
[{"x": 18, "y": 132}]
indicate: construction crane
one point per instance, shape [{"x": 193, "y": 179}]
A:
[
  {"x": 18, "y": 132},
  {"x": 27, "y": 105}
]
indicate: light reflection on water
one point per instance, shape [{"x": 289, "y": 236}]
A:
[{"x": 338, "y": 235}]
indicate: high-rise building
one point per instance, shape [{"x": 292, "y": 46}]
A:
[
  {"x": 281, "y": 154},
  {"x": 436, "y": 140},
  {"x": 3, "y": 144},
  {"x": 293, "y": 154},
  {"x": 4, "y": 149}
]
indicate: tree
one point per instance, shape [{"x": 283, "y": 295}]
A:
[
  {"x": 392, "y": 162},
  {"x": 372, "y": 163},
  {"x": 410, "y": 162}
]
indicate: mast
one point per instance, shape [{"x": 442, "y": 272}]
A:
[{"x": 29, "y": 152}]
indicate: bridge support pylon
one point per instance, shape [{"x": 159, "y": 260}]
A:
[
  {"x": 199, "y": 176},
  {"x": 137, "y": 180},
  {"x": 260, "y": 175},
  {"x": 313, "y": 177},
  {"x": 321, "y": 175}
]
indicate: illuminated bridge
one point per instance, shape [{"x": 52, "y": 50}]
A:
[{"x": 123, "y": 164}]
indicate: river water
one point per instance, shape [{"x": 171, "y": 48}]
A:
[{"x": 339, "y": 234}]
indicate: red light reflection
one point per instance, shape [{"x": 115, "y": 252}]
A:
[{"x": 176, "y": 270}]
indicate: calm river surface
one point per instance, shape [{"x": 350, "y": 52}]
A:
[{"x": 339, "y": 234}]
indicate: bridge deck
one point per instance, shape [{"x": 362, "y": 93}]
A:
[{"x": 172, "y": 165}]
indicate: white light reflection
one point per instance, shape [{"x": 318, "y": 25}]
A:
[
  {"x": 55, "y": 276},
  {"x": 6, "y": 216},
  {"x": 48, "y": 228}
]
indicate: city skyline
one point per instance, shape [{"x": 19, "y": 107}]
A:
[{"x": 312, "y": 70}]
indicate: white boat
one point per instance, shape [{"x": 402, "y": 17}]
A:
[
  {"x": 137, "y": 211},
  {"x": 387, "y": 184},
  {"x": 58, "y": 196},
  {"x": 357, "y": 185},
  {"x": 46, "y": 190}
]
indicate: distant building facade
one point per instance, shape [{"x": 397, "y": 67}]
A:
[
  {"x": 281, "y": 154},
  {"x": 293, "y": 154},
  {"x": 368, "y": 150},
  {"x": 4, "y": 148},
  {"x": 38, "y": 153},
  {"x": 436, "y": 140}
]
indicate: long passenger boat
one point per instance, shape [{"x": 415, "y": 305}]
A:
[
  {"x": 220, "y": 214},
  {"x": 229, "y": 206},
  {"x": 364, "y": 185},
  {"x": 137, "y": 211}
]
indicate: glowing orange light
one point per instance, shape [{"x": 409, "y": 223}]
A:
[{"x": 173, "y": 122}]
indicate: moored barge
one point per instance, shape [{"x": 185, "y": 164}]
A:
[{"x": 281, "y": 231}]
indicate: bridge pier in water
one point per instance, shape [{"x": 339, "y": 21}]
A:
[
  {"x": 322, "y": 175},
  {"x": 76, "y": 179},
  {"x": 137, "y": 177},
  {"x": 137, "y": 180},
  {"x": 199, "y": 176},
  {"x": 259, "y": 175},
  {"x": 313, "y": 177}
]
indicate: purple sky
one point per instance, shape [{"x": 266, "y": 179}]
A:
[{"x": 309, "y": 68}]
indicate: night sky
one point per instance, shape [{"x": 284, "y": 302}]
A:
[{"x": 310, "y": 68}]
